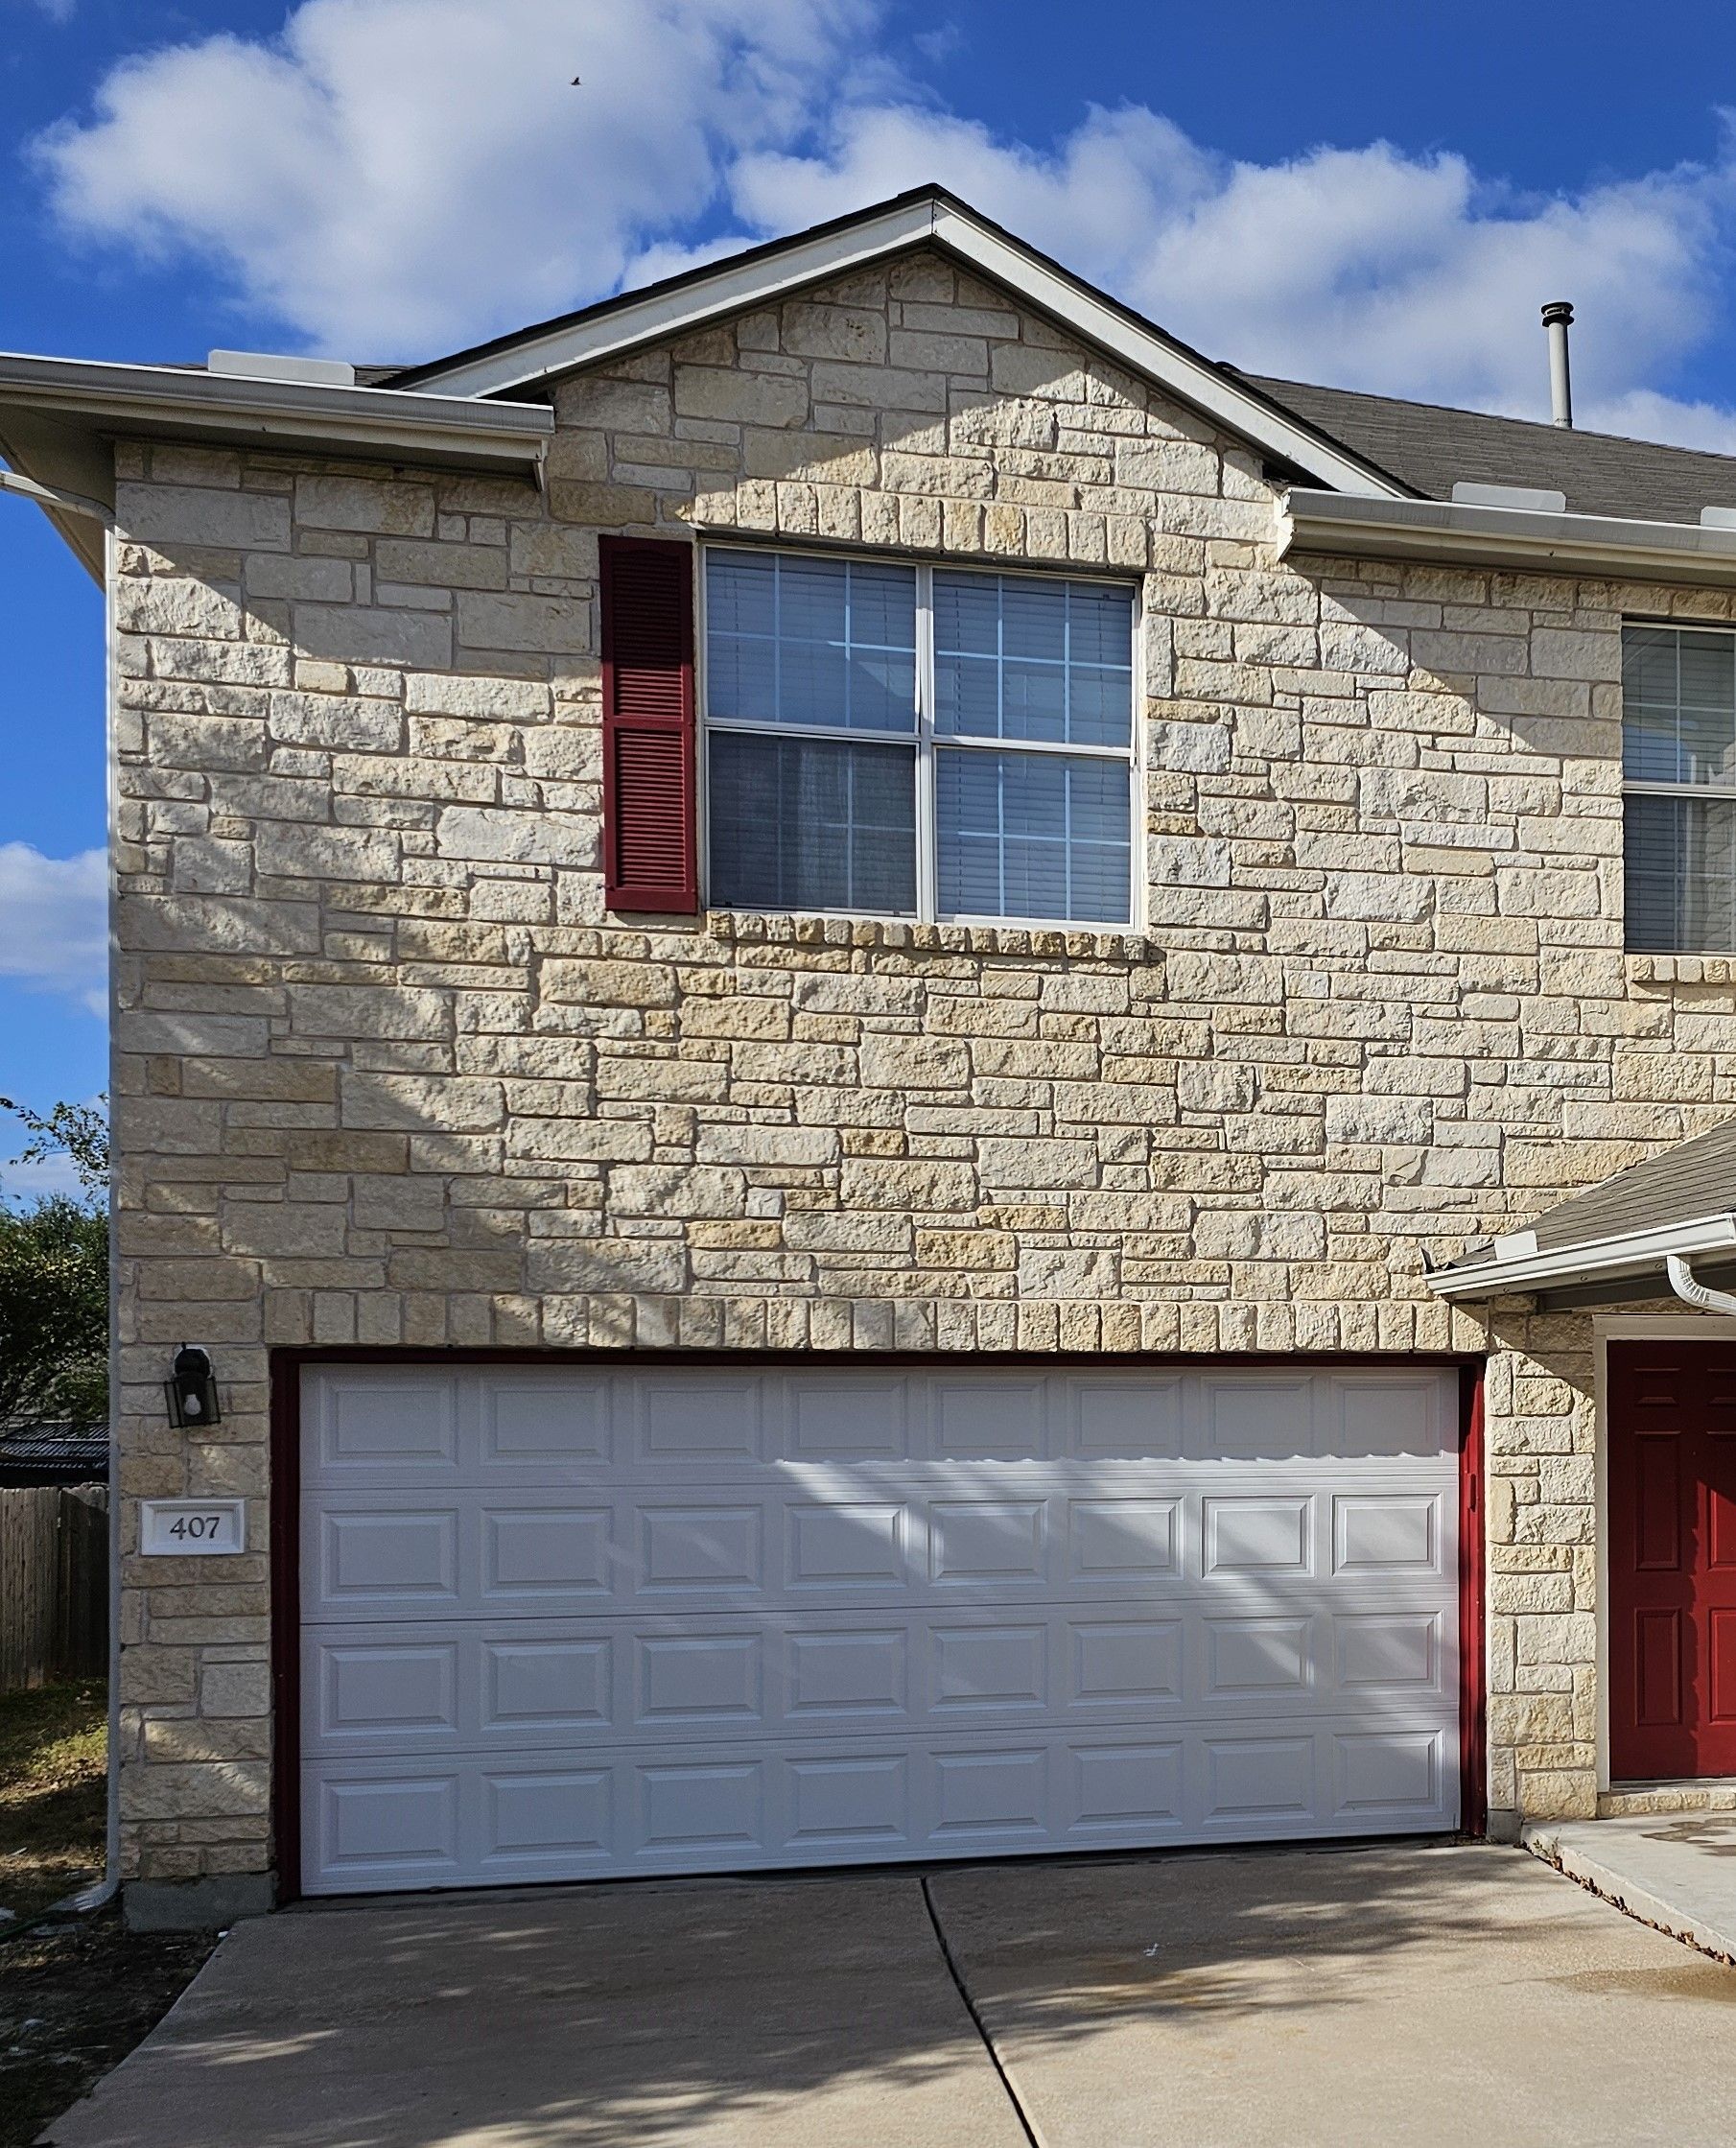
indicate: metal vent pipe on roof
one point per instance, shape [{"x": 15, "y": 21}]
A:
[{"x": 1558, "y": 318}]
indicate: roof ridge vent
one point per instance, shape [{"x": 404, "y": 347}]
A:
[
  {"x": 1531, "y": 497},
  {"x": 264, "y": 365}
]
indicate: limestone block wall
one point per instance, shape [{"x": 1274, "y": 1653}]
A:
[
  {"x": 1541, "y": 1552},
  {"x": 387, "y": 1075}
]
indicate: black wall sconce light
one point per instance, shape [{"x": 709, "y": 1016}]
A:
[{"x": 192, "y": 1389}]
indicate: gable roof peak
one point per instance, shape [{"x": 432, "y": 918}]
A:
[{"x": 527, "y": 360}]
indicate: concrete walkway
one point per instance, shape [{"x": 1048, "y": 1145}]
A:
[
  {"x": 1675, "y": 1869},
  {"x": 1447, "y": 1996}
]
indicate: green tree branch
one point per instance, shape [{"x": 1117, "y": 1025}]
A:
[{"x": 53, "y": 1278}]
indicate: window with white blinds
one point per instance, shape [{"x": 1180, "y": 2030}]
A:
[
  {"x": 1678, "y": 788},
  {"x": 918, "y": 742}
]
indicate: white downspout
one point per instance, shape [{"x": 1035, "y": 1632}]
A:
[
  {"x": 103, "y": 1890},
  {"x": 1695, "y": 1294},
  {"x": 110, "y": 1883},
  {"x": 50, "y": 496}
]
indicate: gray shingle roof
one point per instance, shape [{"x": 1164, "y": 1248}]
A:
[
  {"x": 1430, "y": 448},
  {"x": 74, "y": 1454},
  {"x": 1694, "y": 1179},
  {"x": 1424, "y": 446}
]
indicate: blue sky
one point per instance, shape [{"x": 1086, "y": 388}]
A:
[{"x": 1380, "y": 197}]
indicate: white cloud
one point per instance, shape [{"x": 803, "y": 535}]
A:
[
  {"x": 939, "y": 44},
  {"x": 57, "y": 923},
  {"x": 29, "y": 1182},
  {"x": 1643, "y": 415},
  {"x": 1360, "y": 266},
  {"x": 392, "y": 175},
  {"x": 34, "y": 1181},
  {"x": 395, "y": 177}
]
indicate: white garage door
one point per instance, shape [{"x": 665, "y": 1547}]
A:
[{"x": 570, "y": 1622}]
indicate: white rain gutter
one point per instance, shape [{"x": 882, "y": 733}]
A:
[
  {"x": 183, "y": 402},
  {"x": 1516, "y": 1263},
  {"x": 1452, "y": 530},
  {"x": 61, "y": 417},
  {"x": 1695, "y": 1294}
]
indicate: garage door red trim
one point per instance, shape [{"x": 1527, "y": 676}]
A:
[
  {"x": 287, "y": 1367},
  {"x": 286, "y": 1617},
  {"x": 1473, "y": 1746}
]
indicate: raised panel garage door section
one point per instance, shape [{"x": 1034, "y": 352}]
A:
[{"x": 566, "y": 1623}]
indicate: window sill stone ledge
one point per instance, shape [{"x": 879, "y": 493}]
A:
[
  {"x": 1681, "y": 969},
  {"x": 779, "y": 928}
]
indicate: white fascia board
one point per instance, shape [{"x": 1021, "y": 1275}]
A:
[
  {"x": 186, "y": 403},
  {"x": 727, "y": 288},
  {"x": 1192, "y": 379},
  {"x": 1633, "y": 1252},
  {"x": 1444, "y": 530},
  {"x": 733, "y": 289}
]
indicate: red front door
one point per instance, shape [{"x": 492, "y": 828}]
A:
[{"x": 1672, "y": 1482}]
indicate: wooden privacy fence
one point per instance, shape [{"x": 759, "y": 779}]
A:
[{"x": 54, "y": 1584}]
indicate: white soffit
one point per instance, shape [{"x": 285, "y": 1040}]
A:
[{"x": 767, "y": 275}]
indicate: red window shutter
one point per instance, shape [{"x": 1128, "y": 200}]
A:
[{"x": 651, "y": 857}]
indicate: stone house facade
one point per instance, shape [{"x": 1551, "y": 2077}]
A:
[{"x": 390, "y": 1077}]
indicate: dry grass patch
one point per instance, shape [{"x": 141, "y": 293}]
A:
[
  {"x": 53, "y": 1792},
  {"x": 76, "y": 1993}
]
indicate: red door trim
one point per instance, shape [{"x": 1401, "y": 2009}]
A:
[
  {"x": 1474, "y": 1712},
  {"x": 1670, "y": 1495},
  {"x": 285, "y": 1376}
]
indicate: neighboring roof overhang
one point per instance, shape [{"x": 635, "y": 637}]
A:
[
  {"x": 928, "y": 217},
  {"x": 59, "y": 417},
  {"x": 64, "y": 458},
  {"x": 1450, "y": 531},
  {"x": 1514, "y": 1264}
]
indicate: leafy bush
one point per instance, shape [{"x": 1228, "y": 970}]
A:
[
  {"x": 54, "y": 1280},
  {"x": 53, "y": 1313}
]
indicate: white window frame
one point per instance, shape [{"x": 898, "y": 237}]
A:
[
  {"x": 925, "y": 738},
  {"x": 1639, "y": 788}
]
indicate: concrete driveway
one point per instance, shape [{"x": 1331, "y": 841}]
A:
[{"x": 1418, "y": 1994}]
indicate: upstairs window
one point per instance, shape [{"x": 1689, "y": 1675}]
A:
[
  {"x": 1678, "y": 788},
  {"x": 932, "y": 742}
]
